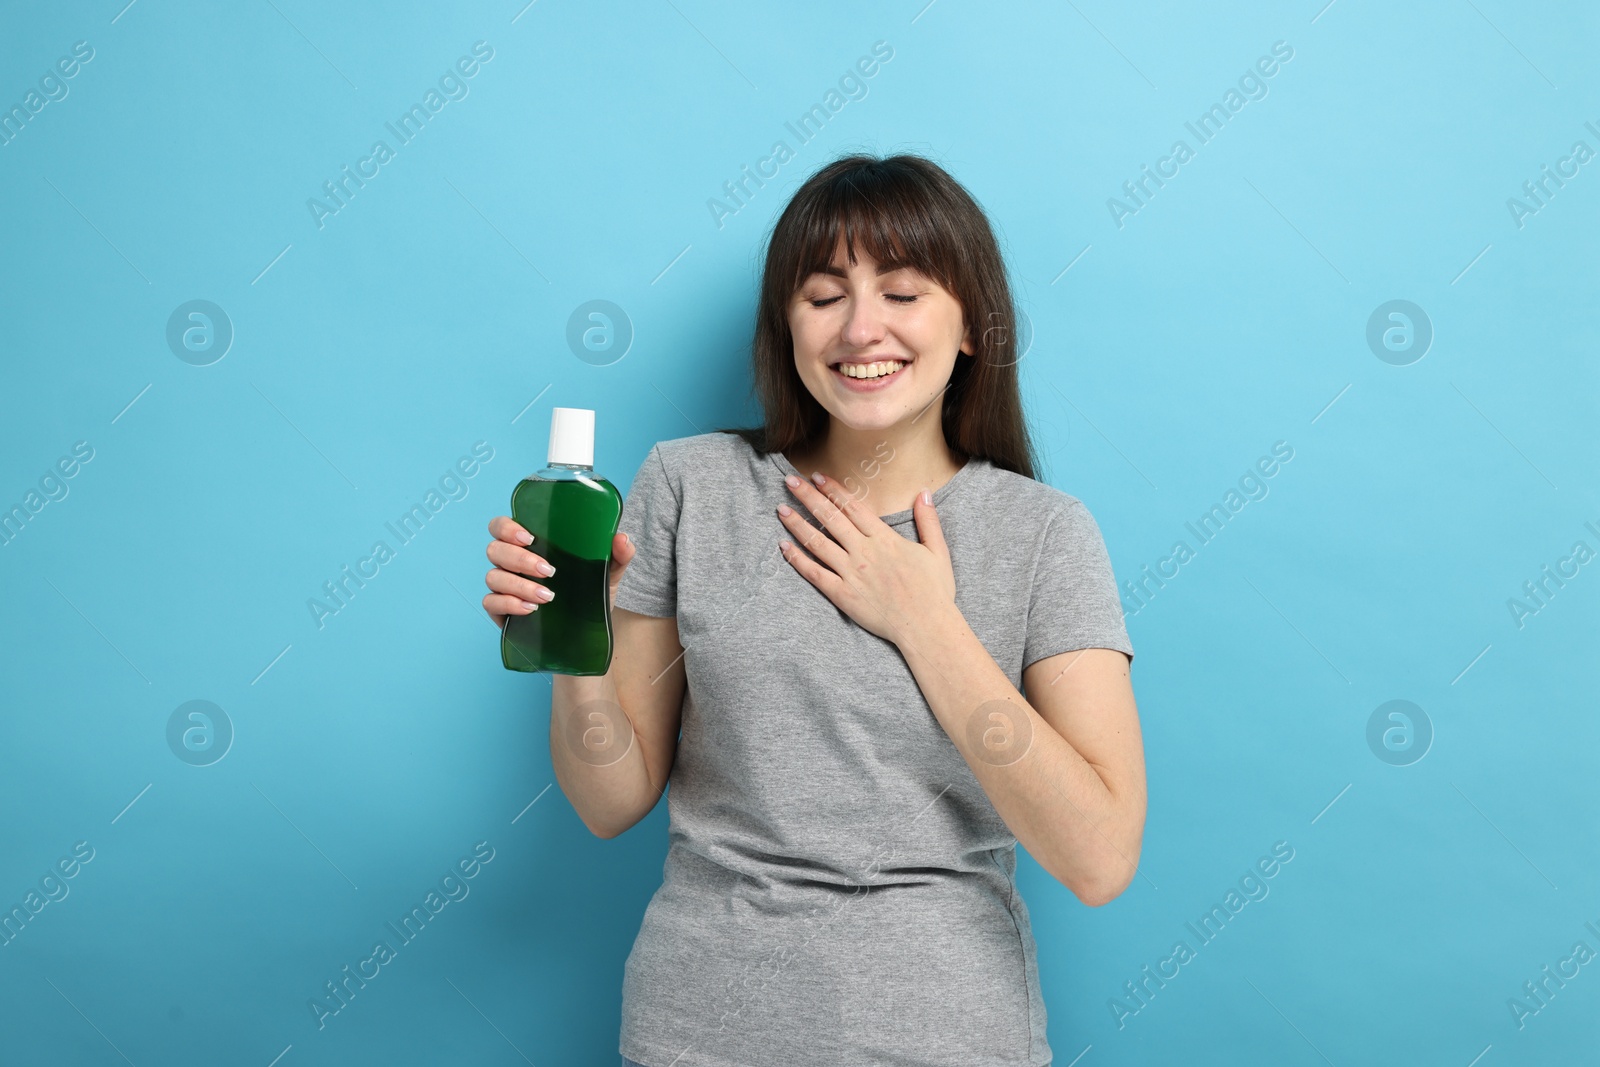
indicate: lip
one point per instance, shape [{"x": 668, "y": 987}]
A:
[{"x": 868, "y": 385}]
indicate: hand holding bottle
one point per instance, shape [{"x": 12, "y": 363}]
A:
[
  {"x": 511, "y": 593},
  {"x": 573, "y": 513}
]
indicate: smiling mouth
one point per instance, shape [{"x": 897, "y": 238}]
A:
[{"x": 870, "y": 372}]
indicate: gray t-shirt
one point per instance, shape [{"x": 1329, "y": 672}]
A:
[{"x": 838, "y": 889}]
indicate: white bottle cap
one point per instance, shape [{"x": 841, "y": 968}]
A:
[{"x": 571, "y": 436}]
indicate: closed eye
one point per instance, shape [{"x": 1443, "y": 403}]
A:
[{"x": 896, "y": 297}]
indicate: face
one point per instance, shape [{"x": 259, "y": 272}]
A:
[{"x": 856, "y": 316}]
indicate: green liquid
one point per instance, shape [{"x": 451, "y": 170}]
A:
[{"x": 572, "y": 523}]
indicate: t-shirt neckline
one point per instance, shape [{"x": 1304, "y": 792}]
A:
[{"x": 898, "y": 517}]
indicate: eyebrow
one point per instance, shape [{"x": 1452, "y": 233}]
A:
[{"x": 883, "y": 268}]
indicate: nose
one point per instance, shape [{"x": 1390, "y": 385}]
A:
[{"x": 865, "y": 325}]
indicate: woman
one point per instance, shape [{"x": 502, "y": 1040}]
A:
[{"x": 872, "y": 720}]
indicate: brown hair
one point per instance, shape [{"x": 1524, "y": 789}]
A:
[{"x": 907, "y": 209}]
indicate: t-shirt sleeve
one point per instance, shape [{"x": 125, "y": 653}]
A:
[
  {"x": 650, "y": 519},
  {"x": 1074, "y": 602}
]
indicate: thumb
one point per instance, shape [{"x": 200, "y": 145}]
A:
[
  {"x": 622, "y": 550},
  {"x": 928, "y": 529},
  {"x": 622, "y": 553}
]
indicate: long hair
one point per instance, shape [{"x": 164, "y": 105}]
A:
[{"x": 909, "y": 209}]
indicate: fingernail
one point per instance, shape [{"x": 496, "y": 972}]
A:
[
  {"x": 525, "y": 537},
  {"x": 785, "y": 509},
  {"x": 545, "y": 594},
  {"x": 530, "y": 607},
  {"x": 545, "y": 570},
  {"x": 791, "y": 481},
  {"x": 927, "y": 497},
  {"x": 817, "y": 477}
]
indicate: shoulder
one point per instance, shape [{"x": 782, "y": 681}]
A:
[
  {"x": 703, "y": 455},
  {"x": 715, "y": 447},
  {"x": 714, "y": 463},
  {"x": 1027, "y": 502},
  {"x": 1036, "y": 518}
]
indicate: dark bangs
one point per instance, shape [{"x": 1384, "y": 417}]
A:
[{"x": 879, "y": 210}]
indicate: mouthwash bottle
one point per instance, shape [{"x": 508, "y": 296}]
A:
[{"x": 573, "y": 514}]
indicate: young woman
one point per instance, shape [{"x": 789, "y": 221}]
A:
[{"x": 891, "y": 652}]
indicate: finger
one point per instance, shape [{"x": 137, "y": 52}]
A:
[
  {"x": 860, "y": 515},
  {"x": 857, "y": 491},
  {"x": 829, "y": 583},
  {"x": 622, "y": 553},
  {"x": 815, "y": 542},
  {"x": 827, "y": 510},
  {"x": 507, "y": 529},
  {"x": 499, "y": 605},
  {"x": 517, "y": 586},
  {"x": 519, "y": 560},
  {"x": 929, "y": 532}
]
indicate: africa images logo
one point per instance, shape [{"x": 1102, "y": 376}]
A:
[
  {"x": 412, "y": 121},
  {"x": 452, "y": 887}
]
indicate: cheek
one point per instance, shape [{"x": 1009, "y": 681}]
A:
[
  {"x": 926, "y": 323},
  {"x": 810, "y": 338}
]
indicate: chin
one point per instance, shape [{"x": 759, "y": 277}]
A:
[{"x": 871, "y": 416}]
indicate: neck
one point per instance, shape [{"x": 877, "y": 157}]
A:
[{"x": 884, "y": 469}]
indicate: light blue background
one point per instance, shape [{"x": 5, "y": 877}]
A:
[{"x": 430, "y": 313}]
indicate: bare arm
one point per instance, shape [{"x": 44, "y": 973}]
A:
[
  {"x": 613, "y": 737},
  {"x": 1064, "y": 767}
]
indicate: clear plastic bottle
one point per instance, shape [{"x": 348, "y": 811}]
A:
[{"x": 573, "y": 515}]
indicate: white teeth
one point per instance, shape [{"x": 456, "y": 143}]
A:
[{"x": 870, "y": 370}]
